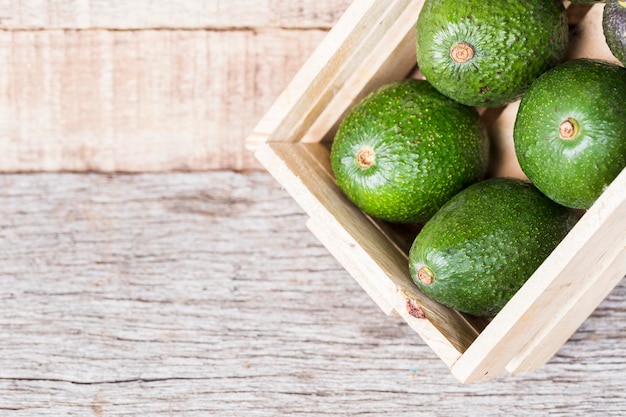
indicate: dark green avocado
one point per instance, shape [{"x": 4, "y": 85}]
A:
[
  {"x": 405, "y": 149},
  {"x": 614, "y": 28},
  {"x": 570, "y": 131},
  {"x": 487, "y": 52},
  {"x": 485, "y": 243}
]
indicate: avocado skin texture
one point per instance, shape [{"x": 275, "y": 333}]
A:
[
  {"x": 614, "y": 28},
  {"x": 573, "y": 172},
  {"x": 485, "y": 243},
  {"x": 427, "y": 147},
  {"x": 513, "y": 42}
]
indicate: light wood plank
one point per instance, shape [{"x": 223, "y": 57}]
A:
[
  {"x": 381, "y": 65},
  {"x": 378, "y": 262},
  {"x": 339, "y": 57},
  {"x": 604, "y": 226},
  {"x": 161, "y": 295},
  {"x": 587, "y": 40},
  {"x": 140, "y": 100},
  {"x": 558, "y": 297},
  {"x": 184, "y": 14}
]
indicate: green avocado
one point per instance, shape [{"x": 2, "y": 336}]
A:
[
  {"x": 487, "y": 52},
  {"x": 484, "y": 244},
  {"x": 614, "y": 28},
  {"x": 570, "y": 131},
  {"x": 405, "y": 149}
]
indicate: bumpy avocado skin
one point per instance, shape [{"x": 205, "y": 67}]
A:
[
  {"x": 573, "y": 172},
  {"x": 485, "y": 243},
  {"x": 513, "y": 42},
  {"x": 614, "y": 28},
  {"x": 426, "y": 146}
]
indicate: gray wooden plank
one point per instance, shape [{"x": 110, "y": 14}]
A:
[{"x": 204, "y": 294}]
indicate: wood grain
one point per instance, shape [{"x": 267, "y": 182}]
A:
[
  {"x": 148, "y": 100},
  {"x": 163, "y": 294},
  {"x": 184, "y": 14}
]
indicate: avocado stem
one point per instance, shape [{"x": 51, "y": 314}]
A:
[
  {"x": 568, "y": 128},
  {"x": 461, "y": 52},
  {"x": 366, "y": 158},
  {"x": 425, "y": 275}
]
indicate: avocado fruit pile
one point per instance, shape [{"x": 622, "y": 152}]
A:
[{"x": 416, "y": 151}]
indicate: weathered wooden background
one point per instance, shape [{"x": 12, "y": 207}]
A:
[
  {"x": 146, "y": 85},
  {"x": 204, "y": 294}
]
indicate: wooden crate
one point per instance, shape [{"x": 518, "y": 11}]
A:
[{"x": 373, "y": 43}]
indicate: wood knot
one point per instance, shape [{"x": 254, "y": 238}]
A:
[{"x": 414, "y": 311}]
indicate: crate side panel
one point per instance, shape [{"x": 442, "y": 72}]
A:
[
  {"x": 341, "y": 246},
  {"x": 384, "y": 63},
  {"x": 550, "y": 288},
  {"x": 340, "y": 53},
  {"x": 503, "y": 160},
  {"x": 547, "y": 342},
  {"x": 301, "y": 119},
  {"x": 598, "y": 271},
  {"x": 400, "y": 236},
  {"x": 319, "y": 195},
  {"x": 318, "y": 69}
]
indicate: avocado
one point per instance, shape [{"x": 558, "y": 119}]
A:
[
  {"x": 405, "y": 149},
  {"x": 570, "y": 130},
  {"x": 487, "y": 52},
  {"x": 477, "y": 251},
  {"x": 614, "y": 28}
]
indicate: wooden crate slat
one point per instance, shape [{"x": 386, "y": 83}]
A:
[
  {"x": 551, "y": 288},
  {"x": 310, "y": 187},
  {"x": 385, "y": 63},
  {"x": 554, "y": 334},
  {"x": 391, "y": 233},
  {"x": 599, "y": 269},
  {"x": 333, "y": 62},
  {"x": 503, "y": 161},
  {"x": 321, "y": 198},
  {"x": 182, "y": 14},
  {"x": 367, "y": 272},
  {"x": 341, "y": 244}
]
